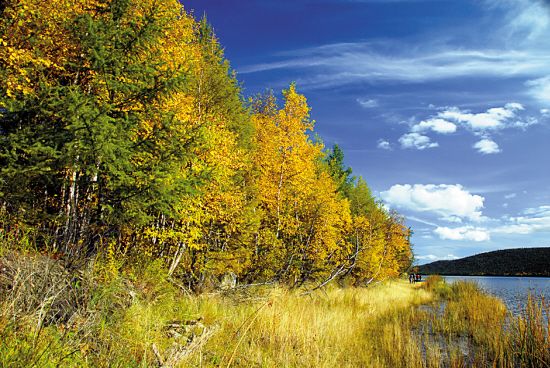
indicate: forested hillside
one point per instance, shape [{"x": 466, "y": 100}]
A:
[
  {"x": 124, "y": 134},
  {"x": 507, "y": 262}
]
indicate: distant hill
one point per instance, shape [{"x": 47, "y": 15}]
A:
[{"x": 508, "y": 262}]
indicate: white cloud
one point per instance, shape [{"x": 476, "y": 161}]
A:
[
  {"x": 383, "y": 144},
  {"x": 367, "y": 103},
  {"x": 526, "y": 20},
  {"x": 346, "y": 63},
  {"x": 541, "y": 210},
  {"x": 429, "y": 257},
  {"x": 510, "y": 42},
  {"x": 418, "y": 141},
  {"x": 448, "y": 201},
  {"x": 514, "y": 106},
  {"x": 492, "y": 119},
  {"x": 510, "y": 196},
  {"x": 463, "y": 233},
  {"x": 454, "y": 219},
  {"x": 433, "y": 257},
  {"x": 422, "y": 221},
  {"x": 524, "y": 124},
  {"x": 437, "y": 125},
  {"x": 487, "y": 146},
  {"x": 522, "y": 229},
  {"x": 529, "y": 221},
  {"x": 449, "y": 119},
  {"x": 539, "y": 89},
  {"x": 532, "y": 220}
]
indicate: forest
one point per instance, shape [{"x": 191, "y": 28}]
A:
[
  {"x": 124, "y": 134},
  {"x": 152, "y": 215},
  {"x": 505, "y": 262}
]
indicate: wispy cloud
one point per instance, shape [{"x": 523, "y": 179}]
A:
[
  {"x": 524, "y": 20},
  {"x": 388, "y": 1},
  {"x": 433, "y": 257},
  {"x": 540, "y": 89},
  {"x": 528, "y": 222},
  {"x": 511, "y": 44},
  {"x": 422, "y": 221},
  {"x": 344, "y": 63},
  {"x": 367, "y": 102},
  {"x": 531, "y": 220}
]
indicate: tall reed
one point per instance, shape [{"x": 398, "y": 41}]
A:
[{"x": 127, "y": 317}]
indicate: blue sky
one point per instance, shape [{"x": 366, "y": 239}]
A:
[{"x": 442, "y": 106}]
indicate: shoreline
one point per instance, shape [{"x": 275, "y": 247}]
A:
[
  {"x": 144, "y": 318},
  {"x": 484, "y": 275}
]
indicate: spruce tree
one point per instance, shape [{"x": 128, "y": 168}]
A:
[{"x": 93, "y": 149}]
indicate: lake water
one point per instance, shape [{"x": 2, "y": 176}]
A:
[{"x": 512, "y": 290}]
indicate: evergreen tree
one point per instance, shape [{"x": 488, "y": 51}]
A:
[
  {"x": 122, "y": 122},
  {"x": 93, "y": 150},
  {"x": 341, "y": 174}
]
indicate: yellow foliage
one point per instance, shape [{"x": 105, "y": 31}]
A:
[{"x": 265, "y": 209}]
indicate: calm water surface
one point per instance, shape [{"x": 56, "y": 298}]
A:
[{"x": 512, "y": 290}]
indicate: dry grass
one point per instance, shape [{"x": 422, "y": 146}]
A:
[
  {"x": 285, "y": 329},
  {"x": 141, "y": 319},
  {"x": 531, "y": 335},
  {"x": 474, "y": 329},
  {"x": 148, "y": 321}
]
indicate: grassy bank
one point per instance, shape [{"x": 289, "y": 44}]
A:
[{"x": 50, "y": 316}]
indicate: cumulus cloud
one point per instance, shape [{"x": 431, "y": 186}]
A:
[
  {"x": 383, "y": 144},
  {"x": 417, "y": 141},
  {"x": 449, "y": 119},
  {"x": 463, "y": 233},
  {"x": 367, "y": 103},
  {"x": 492, "y": 119},
  {"x": 487, "y": 146},
  {"x": 510, "y": 196},
  {"x": 447, "y": 201},
  {"x": 437, "y": 125}
]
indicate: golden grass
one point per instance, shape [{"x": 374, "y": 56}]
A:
[
  {"x": 142, "y": 320},
  {"x": 285, "y": 329}
]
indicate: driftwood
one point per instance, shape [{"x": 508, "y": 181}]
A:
[{"x": 189, "y": 336}]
